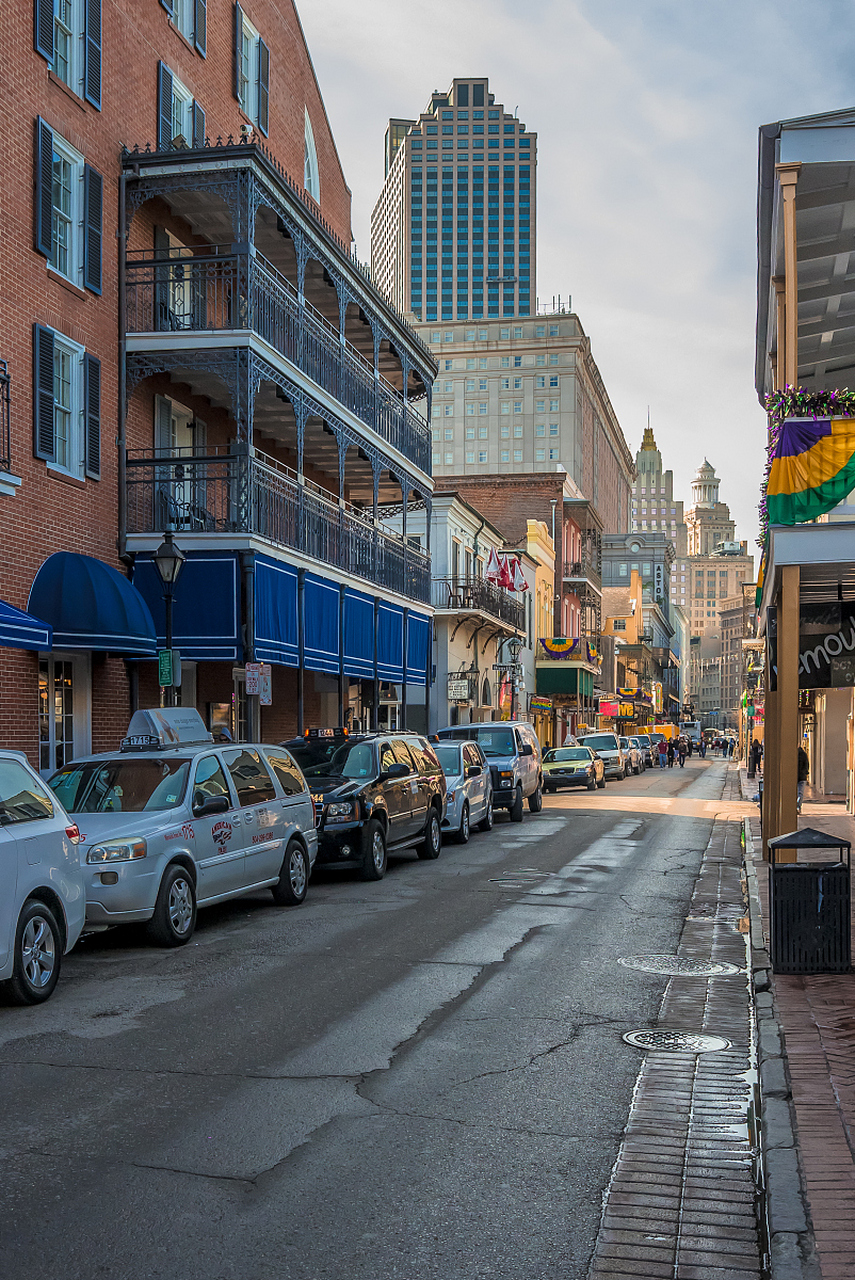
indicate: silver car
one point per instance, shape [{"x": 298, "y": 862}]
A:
[
  {"x": 634, "y": 753},
  {"x": 607, "y": 746},
  {"x": 172, "y": 822},
  {"x": 469, "y": 795}
]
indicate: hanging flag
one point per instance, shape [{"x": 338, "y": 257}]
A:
[
  {"x": 520, "y": 583},
  {"x": 812, "y": 468},
  {"x": 506, "y": 578},
  {"x": 494, "y": 568}
]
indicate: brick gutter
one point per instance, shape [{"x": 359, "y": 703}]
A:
[{"x": 791, "y": 1239}]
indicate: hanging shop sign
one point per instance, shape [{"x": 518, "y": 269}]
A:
[
  {"x": 608, "y": 708},
  {"x": 540, "y": 704},
  {"x": 826, "y": 645},
  {"x": 657, "y": 698},
  {"x": 458, "y": 689},
  {"x": 658, "y": 581},
  {"x": 626, "y": 711}
]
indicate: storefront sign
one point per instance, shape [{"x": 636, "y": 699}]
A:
[
  {"x": 458, "y": 689},
  {"x": 609, "y": 708},
  {"x": 658, "y": 581},
  {"x": 826, "y": 645},
  {"x": 626, "y": 711},
  {"x": 540, "y": 704}
]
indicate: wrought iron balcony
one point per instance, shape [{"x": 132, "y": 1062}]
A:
[
  {"x": 217, "y": 290},
  {"x": 220, "y": 492},
  {"x": 475, "y": 594},
  {"x": 584, "y": 570}
]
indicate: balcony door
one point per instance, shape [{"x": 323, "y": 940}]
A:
[
  {"x": 181, "y": 489},
  {"x": 179, "y": 298},
  {"x": 64, "y": 710}
]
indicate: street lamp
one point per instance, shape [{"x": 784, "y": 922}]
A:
[
  {"x": 515, "y": 646},
  {"x": 169, "y": 561}
]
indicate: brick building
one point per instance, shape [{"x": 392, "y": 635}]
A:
[{"x": 189, "y": 347}]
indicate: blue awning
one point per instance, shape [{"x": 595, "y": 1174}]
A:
[
  {"x": 320, "y": 624},
  {"x": 205, "y": 608},
  {"x": 90, "y": 605},
  {"x": 390, "y": 642},
  {"x": 276, "y": 637},
  {"x": 418, "y": 643},
  {"x": 358, "y": 659},
  {"x": 18, "y": 630}
]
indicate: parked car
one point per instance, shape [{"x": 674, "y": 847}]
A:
[
  {"x": 647, "y": 749},
  {"x": 573, "y": 767},
  {"x": 513, "y": 752},
  {"x": 171, "y": 823},
  {"x": 42, "y": 898},
  {"x": 608, "y": 748},
  {"x": 374, "y": 793},
  {"x": 634, "y": 754},
  {"x": 469, "y": 797}
]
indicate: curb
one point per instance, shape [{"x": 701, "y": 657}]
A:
[{"x": 785, "y": 1205}]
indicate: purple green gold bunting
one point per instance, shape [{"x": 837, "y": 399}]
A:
[{"x": 812, "y": 469}]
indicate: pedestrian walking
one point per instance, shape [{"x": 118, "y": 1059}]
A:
[
  {"x": 663, "y": 753},
  {"x": 690, "y": 745},
  {"x": 731, "y": 748},
  {"x": 682, "y": 751},
  {"x": 756, "y": 755},
  {"x": 804, "y": 774},
  {"x": 671, "y": 754}
]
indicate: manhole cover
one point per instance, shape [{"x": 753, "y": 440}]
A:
[
  {"x": 676, "y": 1041},
  {"x": 679, "y": 966}
]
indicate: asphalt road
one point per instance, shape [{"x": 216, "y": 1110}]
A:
[{"x": 421, "y": 1078}]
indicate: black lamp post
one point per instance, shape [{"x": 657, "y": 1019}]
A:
[
  {"x": 169, "y": 561},
  {"x": 514, "y": 645}
]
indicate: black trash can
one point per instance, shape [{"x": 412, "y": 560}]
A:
[{"x": 809, "y": 906}]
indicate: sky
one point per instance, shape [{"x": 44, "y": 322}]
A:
[{"x": 647, "y": 117}]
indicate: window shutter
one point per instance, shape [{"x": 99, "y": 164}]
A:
[
  {"x": 263, "y": 87},
  {"x": 43, "y": 187},
  {"x": 43, "y": 29},
  {"x": 44, "y": 435},
  {"x": 92, "y": 409},
  {"x": 92, "y": 53},
  {"x": 164, "y": 107},
  {"x": 238, "y": 34},
  {"x": 200, "y": 26},
  {"x": 93, "y": 204},
  {"x": 198, "y": 125}
]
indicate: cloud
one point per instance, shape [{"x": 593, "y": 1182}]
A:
[{"x": 647, "y": 117}]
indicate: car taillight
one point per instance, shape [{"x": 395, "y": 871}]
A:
[{"x": 73, "y": 833}]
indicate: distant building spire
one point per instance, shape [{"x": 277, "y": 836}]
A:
[{"x": 648, "y": 443}]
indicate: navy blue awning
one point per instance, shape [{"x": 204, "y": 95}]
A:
[
  {"x": 358, "y": 658},
  {"x": 19, "y": 630},
  {"x": 390, "y": 642},
  {"x": 320, "y": 624},
  {"x": 90, "y": 605},
  {"x": 418, "y": 643},
  {"x": 206, "y": 605},
  {"x": 276, "y": 638}
]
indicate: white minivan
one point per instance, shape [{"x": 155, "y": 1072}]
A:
[{"x": 42, "y": 896}]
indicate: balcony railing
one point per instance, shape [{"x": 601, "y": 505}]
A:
[
  {"x": 229, "y": 493},
  {"x": 226, "y": 291},
  {"x": 462, "y": 594},
  {"x": 582, "y": 569}
]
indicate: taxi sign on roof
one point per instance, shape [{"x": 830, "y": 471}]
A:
[{"x": 162, "y": 727}]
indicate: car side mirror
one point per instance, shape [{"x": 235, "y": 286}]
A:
[
  {"x": 527, "y": 750},
  {"x": 474, "y": 771},
  {"x": 396, "y": 770},
  {"x": 205, "y": 805}
]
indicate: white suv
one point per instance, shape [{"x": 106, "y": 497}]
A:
[
  {"x": 42, "y": 899},
  {"x": 172, "y": 821}
]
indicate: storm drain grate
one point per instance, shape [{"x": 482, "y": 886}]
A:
[
  {"x": 679, "y": 966},
  {"x": 676, "y": 1041}
]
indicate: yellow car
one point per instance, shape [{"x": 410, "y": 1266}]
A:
[{"x": 573, "y": 767}]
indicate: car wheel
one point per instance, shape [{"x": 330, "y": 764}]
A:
[
  {"x": 622, "y": 775},
  {"x": 174, "y": 916},
  {"x": 374, "y": 859},
  {"x": 463, "y": 831},
  {"x": 431, "y": 842},
  {"x": 486, "y": 823},
  {"x": 535, "y": 800},
  {"x": 293, "y": 883},
  {"x": 592, "y": 783},
  {"x": 38, "y": 955},
  {"x": 516, "y": 812},
  {"x": 602, "y": 782}
]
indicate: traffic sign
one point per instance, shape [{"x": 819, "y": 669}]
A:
[
  {"x": 169, "y": 668},
  {"x": 253, "y": 677}
]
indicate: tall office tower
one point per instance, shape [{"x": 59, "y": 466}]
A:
[
  {"x": 708, "y": 521},
  {"x": 453, "y": 231},
  {"x": 653, "y": 504}
]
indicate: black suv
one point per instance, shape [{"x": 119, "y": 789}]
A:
[{"x": 373, "y": 793}]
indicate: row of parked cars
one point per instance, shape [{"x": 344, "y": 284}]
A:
[{"x": 174, "y": 821}]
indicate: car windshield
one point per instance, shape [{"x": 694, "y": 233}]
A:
[
  {"x": 313, "y": 757},
  {"x": 566, "y": 753},
  {"x": 602, "y": 742},
  {"x": 131, "y": 784},
  {"x": 495, "y": 742},
  {"x": 449, "y": 758}
]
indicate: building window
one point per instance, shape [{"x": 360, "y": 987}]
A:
[
  {"x": 553, "y": 428},
  {"x": 449, "y": 433},
  {"x": 540, "y": 429},
  {"x": 540, "y": 455},
  {"x": 66, "y": 210},
  {"x": 449, "y": 459},
  {"x": 470, "y": 433},
  {"x": 483, "y": 433},
  {"x": 482, "y": 456},
  {"x": 518, "y": 455},
  {"x": 252, "y": 73},
  {"x": 619, "y": 624},
  {"x": 483, "y": 407},
  {"x": 518, "y": 429},
  {"x": 63, "y": 707},
  {"x": 448, "y": 410},
  {"x": 504, "y": 456},
  {"x": 504, "y": 432},
  {"x": 553, "y": 454},
  {"x": 67, "y": 416},
  {"x": 470, "y": 457}
]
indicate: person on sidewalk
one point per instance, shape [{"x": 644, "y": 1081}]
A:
[
  {"x": 757, "y": 755},
  {"x": 682, "y": 751},
  {"x": 690, "y": 748},
  {"x": 702, "y": 747},
  {"x": 663, "y": 753},
  {"x": 730, "y": 748},
  {"x": 671, "y": 753},
  {"x": 804, "y": 773}
]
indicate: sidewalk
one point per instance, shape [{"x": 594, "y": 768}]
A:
[{"x": 816, "y": 1089}]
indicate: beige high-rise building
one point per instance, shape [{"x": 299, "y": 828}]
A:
[
  {"x": 453, "y": 230},
  {"x": 654, "y": 507},
  {"x": 708, "y": 522}
]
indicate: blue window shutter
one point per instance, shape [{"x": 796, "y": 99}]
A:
[
  {"x": 44, "y": 435},
  {"x": 164, "y": 107},
  {"x": 263, "y": 87},
  {"x": 93, "y": 208},
  {"x": 92, "y": 53},
  {"x": 43, "y": 188},
  {"x": 43, "y": 29},
  {"x": 238, "y": 32},
  {"x": 200, "y": 26},
  {"x": 198, "y": 125},
  {"x": 92, "y": 408}
]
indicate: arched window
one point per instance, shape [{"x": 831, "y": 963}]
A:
[
  {"x": 486, "y": 697},
  {"x": 311, "y": 178}
]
